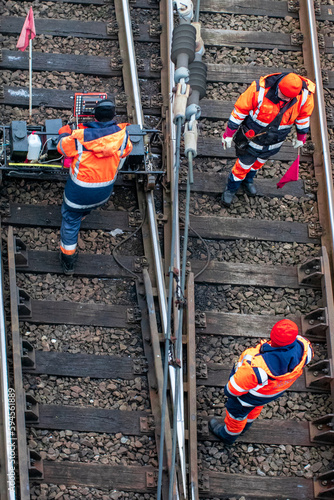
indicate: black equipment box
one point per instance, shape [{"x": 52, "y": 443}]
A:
[
  {"x": 137, "y": 138},
  {"x": 51, "y": 129},
  {"x": 18, "y": 139}
]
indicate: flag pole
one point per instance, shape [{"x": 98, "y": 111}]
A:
[{"x": 30, "y": 77}]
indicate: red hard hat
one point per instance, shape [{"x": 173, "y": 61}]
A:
[
  {"x": 283, "y": 333},
  {"x": 290, "y": 85}
]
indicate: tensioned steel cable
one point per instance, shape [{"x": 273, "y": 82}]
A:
[
  {"x": 196, "y": 16},
  {"x": 170, "y": 302},
  {"x": 190, "y": 181}
]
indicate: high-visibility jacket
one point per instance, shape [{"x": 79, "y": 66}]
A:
[
  {"x": 263, "y": 373},
  {"x": 96, "y": 149},
  {"x": 259, "y": 105}
]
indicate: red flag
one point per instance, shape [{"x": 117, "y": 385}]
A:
[
  {"x": 290, "y": 175},
  {"x": 28, "y": 31}
]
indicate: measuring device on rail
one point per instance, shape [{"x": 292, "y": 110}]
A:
[{"x": 31, "y": 150}]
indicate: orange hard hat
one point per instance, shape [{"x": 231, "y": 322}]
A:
[
  {"x": 290, "y": 85},
  {"x": 283, "y": 333}
]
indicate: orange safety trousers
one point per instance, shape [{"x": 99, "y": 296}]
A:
[
  {"x": 240, "y": 169},
  {"x": 236, "y": 426}
]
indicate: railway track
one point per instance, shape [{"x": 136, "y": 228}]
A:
[{"x": 92, "y": 407}]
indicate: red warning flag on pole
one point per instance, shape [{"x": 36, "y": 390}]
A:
[
  {"x": 28, "y": 31},
  {"x": 291, "y": 174}
]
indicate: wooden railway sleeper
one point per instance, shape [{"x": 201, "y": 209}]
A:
[
  {"x": 28, "y": 358},
  {"x": 24, "y": 304},
  {"x": 32, "y": 410},
  {"x": 323, "y": 485},
  {"x": 35, "y": 465},
  {"x": 310, "y": 272},
  {"x": 319, "y": 375},
  {"x": 322, "y": 429},
  {"x": 21, "y": 256},
  {"x": 315, "y": 323}
]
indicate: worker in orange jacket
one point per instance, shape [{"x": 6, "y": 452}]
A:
[
  {"x": 262, "y": 374},
  {"x": 261, "y": 120},
  {"x": 96, "y": 149}
]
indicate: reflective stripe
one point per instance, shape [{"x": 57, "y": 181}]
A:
[
  {"x": 255, "y": 393},
  {"x": 255, "y": 146},
  {"x": 245, "y": 167},
  {"x": 303, "y": 121},
  {"x": 125, "y": 140},
  {"x": 77, "y": 163},
  {"x": 231, "y": 433},
  {"x": 304, "y": 97},
  {"x": 235, "y": 385},
  {"x": 236, "y": 418},
  {"x": 91, "y": 184},
  {"x": 235, "y": 120},
  {"x": 263, "y": 376},
  {"x": 263, "y": 124},
  {"x": 68, "y": 247},
  {"x": 259, "y": 102},
  {"x": 61, "y": 148},
  {"x": 274, "y": 146},
  {"x": 75, "y": 205},
  {"x": 239, "y": 115},
  {"x": 282, "y": 127},
  {"x": 247, "y": 357},
  {"x": 243, "y": 403},
  {"x": 309, "y": 355}
]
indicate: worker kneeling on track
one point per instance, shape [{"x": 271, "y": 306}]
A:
[
  {"x": 261, "y": 120},
  {"x": 262, "y": 374},
  {"x": 96, "y": 149}
]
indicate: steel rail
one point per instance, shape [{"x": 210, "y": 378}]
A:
[
  {"x": 322, "y": 115},
  {"x": 137, "y": 116},
  {"x": 319, "y": 132},
  {"x": 7, "y": 465}
]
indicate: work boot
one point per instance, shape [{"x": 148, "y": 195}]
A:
[
  {"x": 217, "y": 429},
  {"x": 227, "y": 197},
  {"x": 250, "y": 188},
  {"x": 68, "y": 262}
]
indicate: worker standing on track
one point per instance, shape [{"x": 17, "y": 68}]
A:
[
  {"x": 262, "y": 118},
  {"x": 262, "y": 374},
  {"x": 96, "y": 149}
]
